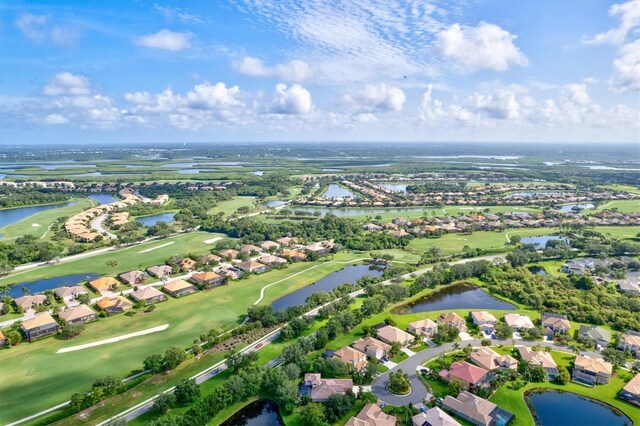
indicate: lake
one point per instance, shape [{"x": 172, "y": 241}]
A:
[
  {"x": 569, "y": 207},
  {"x": 396, "y": 187},
  {"x": 275, "y": 203},
  {"x": 49, "y": 283},
  {"x": 336, "y": 191},
  {"x": 349, "y": 274},
  {"x": 455, "y": 296},
  {"x": 565, "y": 408},
  {"x": 541, "y": 241},
  {"x": 357, "y": 211},
  {"x": 155, "y": 218},
  {"x": 259, "y": 413},
  {"x": 14, "y": 215},
  {"x": 258, "y": 173},
  {"x": 103, "y": 198}
]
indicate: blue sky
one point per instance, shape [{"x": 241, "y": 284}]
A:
[{"x": 290, "y": 70}]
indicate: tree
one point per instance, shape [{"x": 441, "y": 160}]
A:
[
  {"x": 164, "y": 403},
  {"x": 173, "y": 357},
  {"x": 563, "y": 377},
  {"x": 313, "y": 415},
  {"x": 399, "y": 383},
  {"x": 154, "y": 363},
  {"x": 112, "y": 264},
  {"x": 186, "y": 391},
  {"x": 330, "y": 367},
  {"x": 503, "y": 331},
  {"x": 615, "y": 357},
  {"x": 237, "y": 361},
  {"x": 368, "y": 397},
  {"x": 13, "y": 338},
  {"x": 70, "y": 331},
  {"x": 337, "y": 406}
]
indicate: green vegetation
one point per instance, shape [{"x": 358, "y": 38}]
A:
[{"x": 230, "y": 207}]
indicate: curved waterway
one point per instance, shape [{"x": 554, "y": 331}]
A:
[
  {"x": 14, "y": 215},
  {"x": 39, "y": 286},
  {"x": 259, "y": 413}
]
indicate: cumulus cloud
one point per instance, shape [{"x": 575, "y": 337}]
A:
[
  {"x": 486, "y": 46},
  {"x": 627, "y": 68},
  {"x": 39, "y": 28},
  {"x": 67, "y": 84},
  {"x": 295, "y": 70},
  {"x": 166, "y": 40},
  {"x": 294, "y": 100},
  {"x": 629, "y": 19},
  {"x": 378, "y": 97},
  {"x": 55, "y": 119}
]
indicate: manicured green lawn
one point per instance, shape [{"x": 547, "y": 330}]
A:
[
  {"x": 623, "y": 206},
  {"x": 229, "y": 207},
  {"x": 454, "y": 243},
  {"x": 399, "y": 255},
  {"x": 44, "y": 219}
]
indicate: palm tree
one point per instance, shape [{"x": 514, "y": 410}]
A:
[
  {"x": 4, "y": 289},
  {"x": 25, "y": 290},
  {"x": 456, "y": 346}
]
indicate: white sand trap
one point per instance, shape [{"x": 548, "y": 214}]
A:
[
  {"x": 156, "y": 247},
  {"x": 212, "y": 240},
  {"x": 114, "y": 339},
  {"x": 36, "y": 225}
]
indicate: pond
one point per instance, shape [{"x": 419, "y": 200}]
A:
[
  {"x": 552, "y": 408},
  {"x": 336, "y": 191},
  {"x": 349, "y": 274},
  {"x": 455, "y": 296},
  {"x": 49, "y": 283},
  {"x": 275, "y": 203},
  {"x": 357, "y": 211},
  {"x": 155, "y": 218},
  {"x": 14, "y": 215},
  {"x": 258, "y": 173},
  {"x": 541, "y": 241},
  {"x": 259, "y": 413},
  {"x": 103, "y": 198},
  {"x": 538, "y": 270},
  {"x": 569, "y": 207},
  {"x": 396, "y": 187}
]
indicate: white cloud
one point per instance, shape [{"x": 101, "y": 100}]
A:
[
  {"x": 67, "y": 84},
  {"x": 295, "y": 100},
  {"x": 486, "y": 46},
  {"x": 210, "y": 96},
  {"x": 171, "y": 14},
  {"x": 378, "y": 97},
  {"x": 295, "y": 70},
  {"x": 629, "y": 19},
  {"x": 366, "y": 118},
  {"x": 165, "y": 40},
  {"x": 503, "y": 105},
  {"x": 38, "y": 28},
  {"x": 32, "y": 26},
  {"x": 627, "y": 68},
  {"x": 576, "y": 94},
  {"x": 55, "y": 119}
]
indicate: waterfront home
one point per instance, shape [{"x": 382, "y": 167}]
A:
[
  {"x": 70, "y": 292},
  {"x": 114, "y": 305},
  {"x": 269, "y": 245},
  {"x": 271, "y": 260},
  {"x": 476, "y": 410},
  {"x": 30, "y": 301},
  {"x": 319, "y": 389},
  {"x": 598, "y": 334},
  {"x": 132, "y": 278},
  {"x": 80, "y": 313},
  {"x": 434, "y": 417},
  {"x": 104, "y": 284},
  {"x": 293, "y": 255},
  {"x": 179, "y": 288},
  {"x": 249, "y": 249},
  {"x": 160, "y": 271},
  {"x": 518, "y": 321},
  {"x": 354, "y": 358},
  {"x": 452, "y": 319},
  {"x": 149, "y": 295},
  {"x": 555, "y": 323},
  {"x": 631, "y": 391},
  {"x": 424, "y": 327},
  {"x": 39, "y": 326},
  {"x": 228, "y": 253},
  {"x": 488, "y": 359},
  {"x": 541, "y": 358},
  {"x": 630, "y": 341},
  {"x": 468, "y": 375},
  {"x": 372, "y": 347},
  {"x": 591, "y": 371},
  {"x": 252, "y": 267},
  {"x": 372, "y": 415},
  {"x": 187, "y": 264},
  {"x": 207, "y": 279},
  {"x": 390, "y": 334},
  {"x": 484, "y": 320}
]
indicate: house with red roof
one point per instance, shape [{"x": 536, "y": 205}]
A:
[{"x": 468, "y": 375}]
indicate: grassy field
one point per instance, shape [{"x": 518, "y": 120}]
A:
[
  {"x": 628, "y": 188},
  {"x": 44, "y": 219},
  {"x": 35, "y": 377},
  {"x": 229, "y": 207},
  {"x": 624, "y": 206}
]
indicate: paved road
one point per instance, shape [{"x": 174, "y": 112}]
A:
[{"x": 96, "y": 224}]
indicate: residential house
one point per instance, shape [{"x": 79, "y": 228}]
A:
[
  {"x": 114, "y": 305},
  {"x": 452, "y": 319},
  {"x": 271, "y": 260},
  {"x": 488, "y": 359},
  {"x": 287, "y": 241},
  {"x": 231, "y": 272},
  {"x": 132, "y": 278},
  {"x": 207, "y": 279},
  {"x": 591, "y": 371},
  {"x": 424, "y": 327},
  {"x": 179, "y": 288},
  {"x": 70, "y": 292},
  {"x": 518, "y": 321},
  {"x": 371, "y": 227},
  {"x": 372, "y": 415},
  {"x": 104, "y": 284},
  {"x": 39, "y": 326},
  {"x": 320, "y": 389},
  {"x": 249, "y": 249},
  {"x": 476, "y": 410},
  {"x": 187, "y": 264},
  {"x": 30, "y": 301},
  {"x": 390, "y": 334},
  {"x": 598, "y": 334},
  {"x": 354, "y": 358},
  {"x": 269, "y": 245},
  {"x": 468, "y": 375},
  {"x": 434, "y": 417},
  {"x": 631, "y": 391},
  {"x": 293, "y": 255},
  {"x": 630, "y": 341},
  {"x": 76, "y": 314},
  {"x": 541, "y": 358},
  {"x": 322, "y": 248},
  {"x": 252, "y": 267},
  {"x": 372, "y": 347},
  {"x": 160, "y": 271},
  {"x": 555, "y": 323},
  {"x": 484, "y": 320},
  {"x": 211, "y": 259},
  {"x": 228, "y": 253},
  {"x": 148, "y": 294}
]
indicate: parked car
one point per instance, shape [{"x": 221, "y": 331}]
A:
[{"x": 259, "y": 345}]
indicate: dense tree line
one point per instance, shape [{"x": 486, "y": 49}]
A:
[
  {"x": 27, "y": 249},
  {"x": 12, "y": 197}
]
